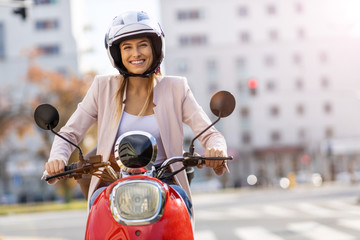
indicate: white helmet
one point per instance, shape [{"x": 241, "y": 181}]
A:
[{"x": 130, "y": 25}]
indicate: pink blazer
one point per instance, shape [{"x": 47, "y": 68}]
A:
[{"x": 174, "y": 105}]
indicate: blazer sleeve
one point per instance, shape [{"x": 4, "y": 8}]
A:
[
  {"x": 76, "y": 127},
  {"x": 197, "y": 119}
]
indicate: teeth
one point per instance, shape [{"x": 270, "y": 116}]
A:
[{"x": 137, "y": 61}]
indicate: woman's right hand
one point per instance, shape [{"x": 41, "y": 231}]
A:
[{"x": 54, "y": 167}]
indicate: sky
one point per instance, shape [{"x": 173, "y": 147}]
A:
[{"x": 91, "y": 19}]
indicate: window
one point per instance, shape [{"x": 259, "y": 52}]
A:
[
  {"x": 270, "y": 85},
  {"x": 300, "y": 109},
  {"x": 297, "y": 59},
  {"x": 324, "y": 81},
  {"x": 195, "y": 40},
  {"x": 246, "y": 138},
  {"x": 302, "y": 134},
  {"x": 273, "y": 35},
  {"x": 323, "y": 57},
  {"x": 275, "y": 136},
  {"x": 240, "y": 66},
  {"x": 299, "y": 7},
  {"x": 243, "y": 11},
  {"x": 46, "y": 24},
  {"x": 2, "y": 41},
  {"x": 182, "y": 66},
  {"x": 327, "y": 108},
  {"x": 49, "y": 49},
  {"x": 300, "y": 33},
  {"x": 329, "y": 132},
  {"x": 245, "y": 37},
  {"x": 274, "y": 111},
  {"x": 39, "y": 2},
  {"x": 244, "y": 112},
  {"x": 299, "y": 84},
  {"x": 211, "y": 67},
  {"x": 190, "y": 15},
  {"x": 271, "y": 10},
  {"x": 269, "y": 60}
]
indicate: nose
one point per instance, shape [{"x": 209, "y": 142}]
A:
[{"x": 136, "y": 52}]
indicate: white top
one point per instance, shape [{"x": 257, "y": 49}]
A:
[{"x": 148, "y": 124}]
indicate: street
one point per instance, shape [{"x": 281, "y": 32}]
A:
[{"x": 303, "y": 213}]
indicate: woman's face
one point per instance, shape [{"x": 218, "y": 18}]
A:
[{"x": 136, "y": 55}]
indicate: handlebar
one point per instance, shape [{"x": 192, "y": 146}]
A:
[{"x": 79, "y": 168}]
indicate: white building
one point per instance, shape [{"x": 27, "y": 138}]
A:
[
  {"x": 304, "y": 57},
  {"x": 47, "y": 27}
]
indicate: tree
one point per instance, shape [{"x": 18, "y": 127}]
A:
[{"x": 16, "y": 117}]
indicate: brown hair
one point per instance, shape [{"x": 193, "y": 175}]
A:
[{"x": 120, "y": 94}]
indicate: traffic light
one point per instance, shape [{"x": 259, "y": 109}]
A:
[
  {"x": 21, "y": 11},
  {"x": 253, "y": 84}
]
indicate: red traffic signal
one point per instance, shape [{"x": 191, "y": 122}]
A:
[{"x": 252, "y": 84}]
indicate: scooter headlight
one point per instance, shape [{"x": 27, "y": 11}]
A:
[{"x": 137, "y": 202}]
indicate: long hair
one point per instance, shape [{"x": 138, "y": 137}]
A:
[{"x": 120, "y": 94}]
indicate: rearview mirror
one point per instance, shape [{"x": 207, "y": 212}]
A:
[
  {"x": 46, "y": 116},
  {"x": 222, "y": 104}
]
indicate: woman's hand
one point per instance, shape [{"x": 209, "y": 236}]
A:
[
  {"x": 54, "y": 167},
  {"x": 218, "y": 165}
]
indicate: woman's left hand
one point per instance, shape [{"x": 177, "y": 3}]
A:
[{"x": 218, "y": 165}]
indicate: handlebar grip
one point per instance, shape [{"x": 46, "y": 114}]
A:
[{"x": 71, "y": 166}]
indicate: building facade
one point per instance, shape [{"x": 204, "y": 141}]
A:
[
  {"x": 47, "y": 29},
  {"x": 293, "y": 74}
]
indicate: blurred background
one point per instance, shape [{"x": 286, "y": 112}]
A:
[{"x": 292, "y": 66}]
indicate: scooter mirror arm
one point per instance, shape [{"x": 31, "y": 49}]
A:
[
  {"x": 192, "y": 148},
  {"x": 81, "y": 157}
]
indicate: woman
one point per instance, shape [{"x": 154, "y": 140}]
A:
[{"x": 138, "y": 99}]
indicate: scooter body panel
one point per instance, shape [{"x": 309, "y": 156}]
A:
[{"x": 174, "y": 224}]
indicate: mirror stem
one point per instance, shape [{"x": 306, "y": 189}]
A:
[
  {"x": 191, "y": 148},
  {"x": 81, "y": 157}
]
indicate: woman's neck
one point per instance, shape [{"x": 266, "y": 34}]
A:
[{"x": 138, "y": 85}]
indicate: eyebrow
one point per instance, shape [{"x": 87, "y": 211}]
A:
[{"x": 142, "y": 41}]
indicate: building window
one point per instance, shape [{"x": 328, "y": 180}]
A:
[
  {"x": 325, "y": 83},
  {"x": 273, "y": 35},
  {"x": 39, "y": 2},
  {"x": 246, "y": 138},
  {"x": 329, "y": 132},
  {"x": 327, "y": 108},
  {"x": 49, "y": 49},
  {"x": 243, "y": 11},
  {"x": 275, "y": 136},
  {"x": 190, "y": 15},
  {"x": 244, "y": 112},
  {"x": 300, "y": 109},
  {"x": 212, "y": 71},
  {"x": 245, "y": 37},
  {"x": 46, "y": 24},
  {"x": 269, "y": 60},
  {"x": 299, "y": 84},
  {"x": 323, "y": 57},
  {"x": 301, "y": 134},
  {"x": 195, "y": 40},
  {"x": 297, "y": 59},
  {"x": 300, "y": 33},
  {"x": 271, "y": 85},
  {"x": 240, "y": 66},
  {"x": 274, "y": 111},
  {"x": 299, "y": 7},
  {"x": 271, "y": 10},
  {"x": 2, "y": 41},
  {"x": 182, "y": 66}
]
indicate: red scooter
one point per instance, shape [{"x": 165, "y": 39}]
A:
[{"x": 138, "y": 204}]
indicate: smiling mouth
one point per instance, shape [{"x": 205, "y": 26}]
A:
[{"x": 137, "y": 62}]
